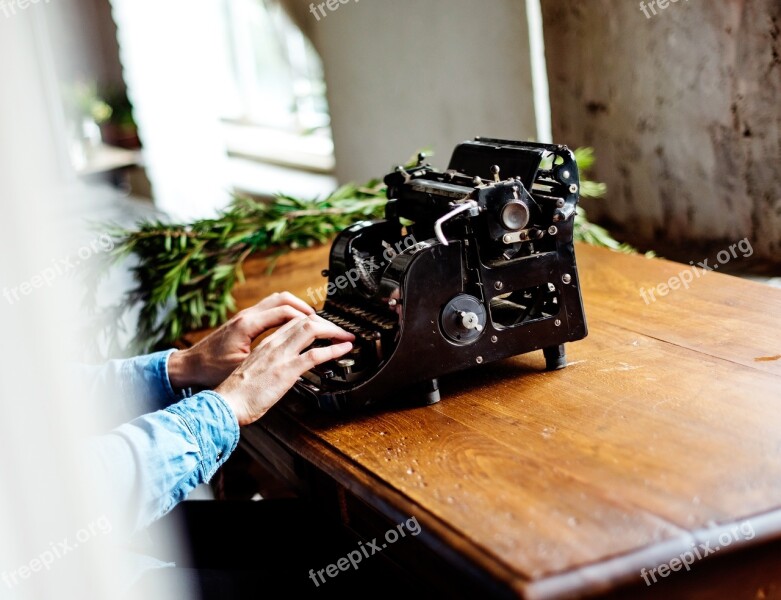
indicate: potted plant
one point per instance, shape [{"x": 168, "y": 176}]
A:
[{"x": 120, "y": 128}]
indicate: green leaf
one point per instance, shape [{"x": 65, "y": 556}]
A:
[{"x": 585, "y": 158}]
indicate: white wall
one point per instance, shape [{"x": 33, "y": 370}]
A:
[{"x": 405, "y": 74}]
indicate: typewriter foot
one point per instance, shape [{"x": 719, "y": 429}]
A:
[
  {"x": 555, "y": 358},
  {"x": 426, "y": 393}
]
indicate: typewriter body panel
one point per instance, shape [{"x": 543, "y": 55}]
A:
[{"x": 470, "y": 265}]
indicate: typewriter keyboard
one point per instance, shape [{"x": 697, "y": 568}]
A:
[{"x": 374, "y": 340}]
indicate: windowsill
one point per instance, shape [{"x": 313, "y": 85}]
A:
[
  {"x": 311, "y": 153},
  {"x": 259, "y": 179},
  {"x": 104, "y": 159}
]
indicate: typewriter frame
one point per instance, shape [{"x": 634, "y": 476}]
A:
[{"x": 448, "y": 267}]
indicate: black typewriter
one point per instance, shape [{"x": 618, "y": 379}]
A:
[{"x": 470, "y": 265}]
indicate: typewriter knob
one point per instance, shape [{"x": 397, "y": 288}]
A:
[
  {"x": 463, "y": 319},
  {"x": 514, "y": 215},
  {"x": 346, "y": 366},
  {"x": 470, "y": 321}
]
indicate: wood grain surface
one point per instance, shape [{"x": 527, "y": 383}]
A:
[{"x": 664, "y": 431}]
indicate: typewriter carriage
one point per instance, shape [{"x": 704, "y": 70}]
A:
[{"x": 483, "y": 269}]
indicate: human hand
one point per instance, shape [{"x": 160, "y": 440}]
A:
[
  {"x": 276, "y": 364},
  {"x": 206, "y": 364}
]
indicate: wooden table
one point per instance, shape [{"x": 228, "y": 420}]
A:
[{"x": 664, "y": 432}]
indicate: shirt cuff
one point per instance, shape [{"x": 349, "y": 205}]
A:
[
  {"x": 213, "y": 424},
  {"x": 159, "y": 362}
]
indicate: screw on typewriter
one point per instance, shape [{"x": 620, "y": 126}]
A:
[{"x": 470, "y": 265}]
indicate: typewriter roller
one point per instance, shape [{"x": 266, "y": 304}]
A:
[{"x": 470, "y": 265}]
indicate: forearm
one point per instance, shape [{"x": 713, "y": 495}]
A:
[
  {"x": 152, "y": 463},
  {"x": 125, "y": 389}
]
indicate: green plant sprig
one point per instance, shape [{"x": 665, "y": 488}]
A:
[{"x": 185, "y": 273}]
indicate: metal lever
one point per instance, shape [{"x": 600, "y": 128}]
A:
[{"x": 466, "y": 206}]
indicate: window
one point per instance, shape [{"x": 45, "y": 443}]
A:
[{"x": 274, "y": 108}]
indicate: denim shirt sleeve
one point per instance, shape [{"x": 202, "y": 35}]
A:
[
  {"x": 152, "y": 463},
  {"x": 125, "y": 389}
]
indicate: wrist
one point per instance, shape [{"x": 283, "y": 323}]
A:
[
  {"x": 236, "y": 406},
  {"x": 180, "y": 370},
  {"x": 231, "y": 392}
]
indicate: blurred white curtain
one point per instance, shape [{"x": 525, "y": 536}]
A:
[
  {"x": 45, "y": 494},
  {"x": 173, "y": 56}
]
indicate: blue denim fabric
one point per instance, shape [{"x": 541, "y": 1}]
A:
[
  {"x": 149, "y": 464},
  {"x": 164, "y": 446},
  {"x": 125, "y": 389}
]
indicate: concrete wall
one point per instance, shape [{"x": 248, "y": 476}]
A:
[
  {"x": 684, "y": 111},
  {"x": 405, "y": 74}
]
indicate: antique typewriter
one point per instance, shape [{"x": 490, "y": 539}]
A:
[{"x": 470, "y": 265}]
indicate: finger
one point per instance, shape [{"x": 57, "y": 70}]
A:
[
  {"x": 305, "y": 331},
  {"x": 280, "y": 333},
  {"x": 286, "y": 299},
  {"x": 329, "y": 330},
  {"x": 317, "y": 356},
  {"x": 274, "y": 317},
  {"x": 254, "y": 321}
]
